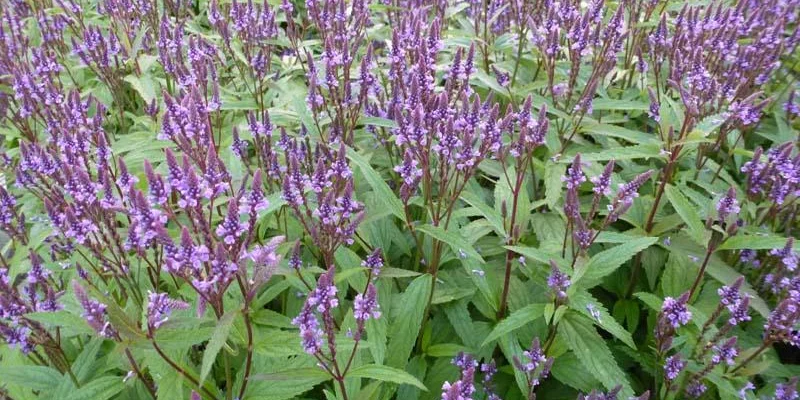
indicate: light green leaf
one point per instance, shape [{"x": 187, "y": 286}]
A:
[
  {"x": 645, "y": 151},
  {"x": 489, "y": 213},
  {"x": 143, "y": 85},
  {"x": 218, "y": 339},
  {"x": 377, "y": 183},
  {"x": 310, "y": 373},
  {"x": 516, "y": 320},
  {"x": 591, "y": 350},
  {"x": 620, "y": 132},
  {"x": 539, "y": 255},
  {"x": 755, "y": 242},
  {"x": 385, "y": 374},
  {"x": 377, "y": 121},
  {"x": 406, "y": 326},
  {"x": 552, "y": 182},
  {"x": 580, "y": 300},
  {"x": 67, "y": 321},
  {"x": 30, "y": 376},
  {"x": 99, "y": 389},
  {"x": 615, "y": 104},
  {"x": 687, "y": 212},
  {"x": 452, "y": 239},
  {"x": 607, "y": 261},
  {"x": 82, "y": 366}
]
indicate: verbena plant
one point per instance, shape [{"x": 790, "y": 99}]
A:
[{"x": 409, "y": 199}]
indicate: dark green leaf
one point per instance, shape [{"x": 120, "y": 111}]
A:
[
  {"x": 591, "y": 350},
  {"x": 607, "y": 261},
  {"x": 516, "y": 320}
]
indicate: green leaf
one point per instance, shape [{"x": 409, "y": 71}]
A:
[
  {"x": 645, "y": 151},
  {"x": 607, "y": 261},
  {"x": 568, "y": 369},
  {"x": 456, "y": 242},
  {"x": 591, "y": 350},
  {"x": 143, "y": 85},
  {"x": 445, "y": 350},
  {"x": 615, "y": 104},
  {"x": 488, "y": 212},
  {"x": 67, "y": 321},
  {"x": 218, "y": 339},
  {"x": 99, "y": 389},
  {"x": 377, "y": 121},
  {"x": 385, "y": 374},
  {"x": 406, "y": 326},
  {"x": 310, "y": 373},
  {"x": 30, "y": 376},
  {"x": 552, "y": 182},
  {"x": 687, "y": 212},
  {"x": 516, "y": 320},
  {"x": 620, "y": 132},
  {"x": 580, "y": 300},
  {"x": 755, "y": 242},
  {"x": 377, "y": 183},
  {"x": 82, "y": 366}
]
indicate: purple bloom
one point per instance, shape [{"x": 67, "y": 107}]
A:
[
  {"x": 728, "y": 205},
  {"x": 464, "y": 388},
  {"x": 726, "y": 352},
  {"x": 791, "y": 106},
  {"x": 94, "y": 312},
  {"x": 374, "y": 262},
  {"x": 696, "y": 389},
  {"x": 296, "y": 260},
  {"x": 787, "y": 391},
  {"x": 602, "y": 182},
  {"x": 18, "y": 337},
  {"x": 365, "y": 306},
  {"x": 159, "y": 307},
  {"x": 782, "y": 323},
  {"x": 673, "y": 367},
  {"x": 558, "y": 281},
  {"x": 231, "y": 227},
  {"x": 310, "y": 333},
  {"x": 324, "y": 296},
  {"x": 654, "y": 111},
  {"x": 675, "y": 311},
  {"x": 575, "y": 174}
]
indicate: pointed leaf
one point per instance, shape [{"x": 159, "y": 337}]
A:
[
  {"x": 591, "y": 349},
  {"x": 516, "y": 320},
  {"x": 687, "y": 212},
  {"x": 30, "y": 376},
  {"x": 218, "y": 339},
  {"x": 607, "y": 261},
  {"x": 580, "y": 301},
  {"x": 385, "y": 374},
  {"x": 456, "y": 242},
  {"x": 99, "y": 389},
  {"x": 377, "y": 183},
  {"x": 406, "y": 326}
]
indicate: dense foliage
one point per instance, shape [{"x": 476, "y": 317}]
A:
[{"x": 411, "y": 199}]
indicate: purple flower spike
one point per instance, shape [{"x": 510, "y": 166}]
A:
[
  {"x": 728, "y": 205},
  {"x": 159, "y": 307},
  {"x": 675, "y": 310},
  {"x": 94, "y": 312}
]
